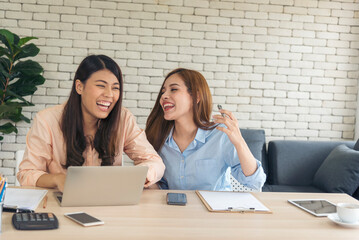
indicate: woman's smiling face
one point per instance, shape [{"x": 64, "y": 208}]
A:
[
  {"x": 175, "y": 100},
  {"x": 99, "y": 94}
]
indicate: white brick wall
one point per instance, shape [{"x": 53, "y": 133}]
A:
[{"x": 288, "y": 67}]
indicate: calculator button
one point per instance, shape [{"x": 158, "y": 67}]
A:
[
  {"x": 25, "y": 217},
  {"x": 32, "y": 217},
  {"x": 18, "y": 217},
  {"x": 51, "y": 217},
  {"x": 44, "y": 217},
  {"x": 38, "y": 217}
]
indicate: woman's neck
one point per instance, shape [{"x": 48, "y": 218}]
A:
[
  {"x": 90, "y": 127},
  {"x": 184, "y": 133}
]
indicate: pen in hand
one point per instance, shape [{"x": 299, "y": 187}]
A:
[{"x": 219, "y": 106}]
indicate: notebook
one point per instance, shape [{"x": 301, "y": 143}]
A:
[
  {"x": 102, "y": 186},
  {"x": 23, "y": 198}
]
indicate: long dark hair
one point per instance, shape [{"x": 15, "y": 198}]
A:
[
  {"x": 158, "y": 128},
  {"x": 106, "y": 139}
]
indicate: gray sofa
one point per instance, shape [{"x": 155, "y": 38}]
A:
[{"x": 306, "y": 166}]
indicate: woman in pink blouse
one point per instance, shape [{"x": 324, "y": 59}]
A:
[{"x": 90, "y": 129}]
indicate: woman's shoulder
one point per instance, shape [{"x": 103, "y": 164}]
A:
[
  {"x": 126, "y": 113},
  {"x": 214, "y": 130},
  {"x": 51, "y": 114},
  {"x": 216, "y": 135}
]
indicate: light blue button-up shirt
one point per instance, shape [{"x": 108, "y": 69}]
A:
[{"x": 206, "y": 164}]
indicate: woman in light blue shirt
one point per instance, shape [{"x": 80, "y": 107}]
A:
[{"x": 198, "y": 154}]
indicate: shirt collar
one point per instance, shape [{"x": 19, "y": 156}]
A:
[
  {"x": 169, "y": 137},
  {"x": 201, "y": 135}
]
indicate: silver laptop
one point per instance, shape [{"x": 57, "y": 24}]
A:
[{"x": 102, "y": 186}]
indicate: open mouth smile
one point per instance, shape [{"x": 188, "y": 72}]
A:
[
  {"x": 168, "y": 106},
  {"x": 103, "y": 105}
]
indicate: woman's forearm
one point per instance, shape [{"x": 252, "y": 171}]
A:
[
  {"x": 246, "y": 158},
  {"x": 52, "y": 181}
]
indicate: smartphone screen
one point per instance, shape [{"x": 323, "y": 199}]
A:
[
  {"x": 176, "y": 199},
  {"x": 84, "y": 219}
]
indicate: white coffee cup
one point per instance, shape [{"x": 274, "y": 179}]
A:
[{"x": 348, "y": 212}]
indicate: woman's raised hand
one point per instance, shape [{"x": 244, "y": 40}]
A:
[{"x": 232, "y": 130}]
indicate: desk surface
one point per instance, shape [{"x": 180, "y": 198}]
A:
[{"x": 153, "y": 219}]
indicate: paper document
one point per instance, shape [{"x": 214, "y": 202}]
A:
[
  {"x": 229, "y": 201},
  {"x": 24, "y": 198}
]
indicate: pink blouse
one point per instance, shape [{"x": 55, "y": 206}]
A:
[{"x": 46, "y": 149}]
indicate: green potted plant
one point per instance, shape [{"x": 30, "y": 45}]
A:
[{"x": 18, "y": 78}]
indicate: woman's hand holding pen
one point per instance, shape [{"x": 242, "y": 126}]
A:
[
  {"x": 227, "y": 118},
  {"x": 246, "y": 158}
]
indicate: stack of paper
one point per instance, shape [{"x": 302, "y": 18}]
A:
[{"x": 24, "y": 198}]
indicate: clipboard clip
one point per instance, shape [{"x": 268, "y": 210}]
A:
[{"x": 241, "y": 209}]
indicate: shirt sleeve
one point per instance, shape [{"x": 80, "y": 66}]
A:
[
  {"x": 37, "y": 153},
  {"x": 141, "y": 151},
  {"x": 162, "y": 184},
  {"x": 254, "y": 181}
]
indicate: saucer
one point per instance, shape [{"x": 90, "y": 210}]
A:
[{"x": 334, "y": 218}]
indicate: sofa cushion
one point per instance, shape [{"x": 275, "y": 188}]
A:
[
  {"x": 356, "y": 194},
  {"x": 339, "y": 171},
  {"x": 294, "y": 163},
  {"x": 356, "y": 146},
  {"x": 256, "y": 141}
]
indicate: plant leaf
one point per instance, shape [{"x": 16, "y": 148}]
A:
[
  {"x": 25, "y": 40},
  {"x": 24, "y": 118},
  {"x": 29, "y": 50},
  {"x": 26, "y": 85},
  {"x": 4, "y": 72},
  {"x": 7, "y": 38},
  {"x": 28, "y": 68},
  {"x": 3, "y": 51},
  {"x": 14, "y": 94},
  {"x": 15, "y": 75},
  {"x": 8, "y": 128},
  {"x": 7, "y": 111},
  {"x": 5, "y": 63}
]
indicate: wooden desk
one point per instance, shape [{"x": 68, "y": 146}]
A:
[{"x": 153, "y": 219}]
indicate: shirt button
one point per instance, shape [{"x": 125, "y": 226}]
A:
[
  {"x": 182, "y": 176},
  {"x": 182, "y": 161}
]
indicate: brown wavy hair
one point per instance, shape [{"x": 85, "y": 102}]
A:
[
  {"x": 158, "y": 128},
  {"x": 106, "y": 140}
]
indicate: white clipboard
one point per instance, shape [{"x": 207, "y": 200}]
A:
[{"x": 232, "y": 202}]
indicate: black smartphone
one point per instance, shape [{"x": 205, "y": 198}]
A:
[{"x": 176, "y": 199}]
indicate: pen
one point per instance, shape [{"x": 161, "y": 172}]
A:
[
  {"x": 9, "y": 208},
  {"x": 219, "y": 106},
  {"x": 241, "y": 209},
  {"x": 45, "y": 202}
]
